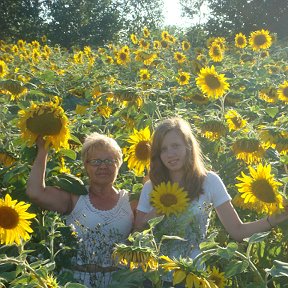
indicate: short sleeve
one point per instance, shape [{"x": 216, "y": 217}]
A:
[
  {"x": 216, "y": 189},
  {"x": 144, "y": 200}
]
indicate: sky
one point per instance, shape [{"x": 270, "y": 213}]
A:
[{"x": 172, "y": 13}]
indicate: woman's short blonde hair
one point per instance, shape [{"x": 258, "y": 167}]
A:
[{"x": 96, "y": 141}]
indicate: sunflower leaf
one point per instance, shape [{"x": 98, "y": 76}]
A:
[{"x": 258, "y": 237}]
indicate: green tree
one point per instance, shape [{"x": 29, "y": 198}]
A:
[
  {"x": 228, "y": 17},
  {"x": 21, "y": 18}
]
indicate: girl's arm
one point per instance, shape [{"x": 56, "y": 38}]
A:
[{"x": 239, "y": 230}]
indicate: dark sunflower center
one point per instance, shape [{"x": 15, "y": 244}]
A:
[
  {"x": 123, "y": 56},
  {"x": 144, "y": 76},
  {"x": 260, "y": 40},
  {"x": 168, "y": 199},
  {"x": 236, "y": 121},
  {"x": 186, "y": 46},
  {"x": 164, "y": 44},
  {"x": 217, "y": 280},
  {"x": 248, "y": 145},
  {"x": 183, "y": 78},
  {"x": 143, "y": 150},
  {"x": 1, "y": 69},
  {"x": 212, "y": 81},
  {"x": 240, "y": 41},
  {"x": 263, "y": 190},
  {"x": 285, "y": 91},
  {"x": 179, "y": 57},
  {"x": 44, "y": 124},
  {"x": 216, "y": 51},
  {"x": 9, "y": 218}
]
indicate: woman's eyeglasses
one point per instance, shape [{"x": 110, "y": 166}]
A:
[{"x": 98, "y": 162}]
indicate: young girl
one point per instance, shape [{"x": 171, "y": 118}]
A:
[{"x": 176, "y": 157}]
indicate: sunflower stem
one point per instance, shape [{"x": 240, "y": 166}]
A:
[{"x": 27, "y": 266}]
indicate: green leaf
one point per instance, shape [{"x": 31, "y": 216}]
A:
[
  {"x": 207, "y": 245},
  {"x": 278, "y": 269},
  {"x": 168, "y": 237},
  {"x": 258, "y": 237},
  {"x": 235, "y": 267},
  {"x": 154, "y": 221},
  {"x": 69, "y": 153},
  {"x": 272, "y": 111}
]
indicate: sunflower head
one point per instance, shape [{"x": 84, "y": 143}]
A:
[
  {"x": 14, "y": 221},
  {"x": 216, "y": 53},
  {"x": 283, "y": 92},
  {"x": 135, "y": 257},
  {"x": 47, "y": 120},
  {"x": 250, "y": 150},
  {"x": 138, "y": 154},
  {"x": 240, "y": 40},
  {"x": 211, "y": 83},
  {"x": 169, "y": 198},
  {"x": 260, "y": 39},
  {"x": 269, "y": 94},
  {"x": 183, "y": 78},
  {"x": 213, "y": 129},
  {"x": 217, "y": 277},
  {"x": 261, "y": 189}
]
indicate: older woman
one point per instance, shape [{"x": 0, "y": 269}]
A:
[{"x": 101, "y": 218}]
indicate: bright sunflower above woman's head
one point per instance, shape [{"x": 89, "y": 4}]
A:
[
  {"x": 283, "y": 92},
  {"x": 169, "y": 198},
  {"x": 260, "y": 39},
  {"x": 240, "y": 40},
  {"x": 261, "y": 189},
  {"x": 14, "y": 223},
  {"x": 47, "y": 120},
  {"x": 211, "y": 83},
  {"x": 138, "y": 154}
]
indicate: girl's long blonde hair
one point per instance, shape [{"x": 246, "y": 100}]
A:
[{"x": 195, "y": 170}]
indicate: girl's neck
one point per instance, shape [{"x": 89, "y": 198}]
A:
[{"x": 176, "y": 177}]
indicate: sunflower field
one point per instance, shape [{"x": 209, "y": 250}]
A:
[{"x": 234, "y": 92}]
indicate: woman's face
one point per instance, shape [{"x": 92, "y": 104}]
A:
[
  {"x": 173, "y": 152},
  {"x": 102, "y": 173}
]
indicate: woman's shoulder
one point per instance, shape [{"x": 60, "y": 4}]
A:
[{"x": 211, "y": 177}]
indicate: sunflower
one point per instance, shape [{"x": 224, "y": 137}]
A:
[
  {"x": 156, "y": 44},
  {"x": 123, "y": 56},
  {"x": 260, "y": 39},
  {"x": 78, "y": 57},
  {"x": 240, "y": 40},
  {"x": 213, "y": 129},
  {"x": 104, "y": 110},
  {"x": 250, "y": 150},
  {"x": 145, "y": 57},
  {"x": 165, "y": 35},
  {"x": 13, "y": 88},
  {"x": 283, "y": 92},
  {"x": 217, "y": 277},
  {"x": 212, "y": 83},
  {"x": 269, "y": 95},
  {"x": 144, "y": 44},
  {"x": 3, "y": 69},
  {"x": 197, "y": 98},
  {"x": 45, "y": 119},
  {"x": 50, "y": 281},
  {"x": 135, "y": 257},
  {"x": 183, "y": 78},
  {"x": 185, "y": 45},
  {"x": 169, "y": 198},
  {"x": 184, "y": 271},
  {"x": 179, "y": 57},
  {"x": 164, "y": 44},
  {"x": 134, "y": 39},
  {"x": 138, "y": 154},
  {"x": 282, "y": 145},
  {"x": 14, "y": 223},
  {"x": 144, "y": 74},
  {"x": 216, "y": 53},
  {"x": 146, "y": 32},
  {"x": 6, "y": 159},
  {"x": 261, "y": 189},
  {"x": 234, "y": 120}
]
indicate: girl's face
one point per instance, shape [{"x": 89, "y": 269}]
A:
[{"x": 173, "y": 152}]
